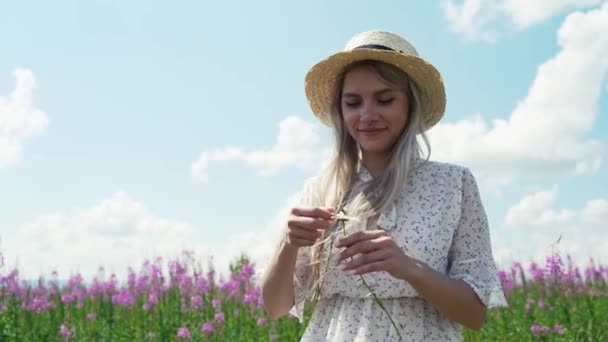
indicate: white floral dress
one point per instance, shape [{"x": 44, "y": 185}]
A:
[{"x": 438, "y": 219}]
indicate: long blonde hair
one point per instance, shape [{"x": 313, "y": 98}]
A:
[{"x": 366, "y": 200}]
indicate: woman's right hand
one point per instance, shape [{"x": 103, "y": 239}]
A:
[{"x": 306, "y": 225}]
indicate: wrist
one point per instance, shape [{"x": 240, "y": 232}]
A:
[
  {"x": 287, "y": 247},
  {"x": 413, "y": 270}
]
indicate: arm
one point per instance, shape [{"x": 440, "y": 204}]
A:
[
  {"x": 292, "y": 256},
  {"x": 452, "y": 297},
  {"x": 471, "y": 285},
  {"x": 277, "y": 281}
]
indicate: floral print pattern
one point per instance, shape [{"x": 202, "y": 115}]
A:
[{"x": 439, "y": 219}]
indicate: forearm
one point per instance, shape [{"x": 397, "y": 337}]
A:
[
  {"x": 277, "y": 281},
  {"x": 454, "y": 298}
]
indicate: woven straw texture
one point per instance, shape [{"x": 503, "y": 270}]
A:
[{"x": 320, "y": 79}]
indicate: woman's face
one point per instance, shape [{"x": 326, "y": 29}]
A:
[{"x": 374, "y": 112}]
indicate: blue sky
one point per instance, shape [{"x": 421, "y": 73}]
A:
[{"x": 131, "y": 129}]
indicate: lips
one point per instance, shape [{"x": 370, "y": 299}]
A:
[{"x": 371, "y": 131}]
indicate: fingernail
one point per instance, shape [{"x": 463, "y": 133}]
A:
[{"x": 343, "y": 267}]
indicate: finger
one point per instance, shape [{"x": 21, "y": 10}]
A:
[
  {"x": 360, "y": 247},
  {"x": 365, "y": 259},
  {"x": 309, "y": 223},
  {"x": 315, "y": 212},
  {"x": 306, "y": 234},
  {"x": 297, "y": 242},
  {"x": 371, "y": 267},
  {"x": 360, "y": 236}
]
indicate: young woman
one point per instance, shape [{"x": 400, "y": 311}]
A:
[{"x": 387, "y": 244}]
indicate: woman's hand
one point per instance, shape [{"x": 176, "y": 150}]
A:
[
  {"x": 377, "y": 252},
  {"x": 306, "y": 225}
]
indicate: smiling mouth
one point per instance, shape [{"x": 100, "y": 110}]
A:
[{"x": 371, "y": 131}]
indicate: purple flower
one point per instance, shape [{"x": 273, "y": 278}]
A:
[
  {"x": 261, "y": 322},
  {"x": 141, "y": 284},
  {"x": 202, "y": 285},
  {"x": 207, "y": 328},
  {"x": 273, "y": 337},
  {"x": 211, "y": 273},
  {"x": 506, "y": 280},
  {"x": 219, "y": 316},
  {"x": 184, "y": 333},
  {"x": 124, "y": 298},
  {"x": 65, "y": 331},
  {"x": 231, "y": 287},
  {"x": 559, "y": 329},
  {"x": 249, "y": 298},
  {"x": 539, "y": 330},
  {"x": 554, "y": 267},
  {"x": 185, "y": 283},
  {"x": 196, "y": 302},
  {"x": 75, "y": 281},
  {"x": 38, "y": 304},
  {"x": 246, "y": 272},
  {"x": 541, "y": 303},
  {"x": 216, "y": 303},
  {"x": 67, "y": 298},
  {"x": 537, "y": 272}
]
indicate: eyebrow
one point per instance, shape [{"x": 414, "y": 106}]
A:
[{"x": 379, "y": 92}]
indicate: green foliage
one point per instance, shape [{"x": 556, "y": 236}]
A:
[{"x": 554, "y": 305}]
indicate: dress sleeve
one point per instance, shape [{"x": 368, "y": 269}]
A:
[
  {"x": 470, "y": 256},
  {"x": 301, "y": 276}
]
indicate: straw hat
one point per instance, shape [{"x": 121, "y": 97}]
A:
[{"x": 381, "y": 46}]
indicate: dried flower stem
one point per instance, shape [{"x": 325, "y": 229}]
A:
[{"x": 372, "y": 292}]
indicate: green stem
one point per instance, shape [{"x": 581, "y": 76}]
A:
[
  {"x": 381, "y": 306},
  {"x": 374, "y": 294}
]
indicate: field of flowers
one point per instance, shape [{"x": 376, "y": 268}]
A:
[{"x": 180, "y": 301}]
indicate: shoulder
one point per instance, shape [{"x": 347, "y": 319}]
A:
[{"x": 435, "y": 170}]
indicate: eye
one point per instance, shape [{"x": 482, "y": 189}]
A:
[
  {"x": 387, "y": 101},
  {"x": 351, "y": 104}
]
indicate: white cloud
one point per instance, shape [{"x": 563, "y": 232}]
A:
[
  {"x": 472, "y": 18},
  {"x": 526, "y": 13},
  {"x": 298, "y": 145},
  {"x": 19, "y": 119},
  {"x": 260, "y": 245},
  {"x": 120, "y": 232},
  {"x": 596, "y": 212},
  {"x": 115, "y": 233},
  {"x": 481, "y": 20},
  {"x": 535, "y": 224},
  {"x": 536, "y": 210},
  {"x": 546, "y": 131}
]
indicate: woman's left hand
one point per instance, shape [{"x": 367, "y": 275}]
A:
[{"x": 377, "y": 252}]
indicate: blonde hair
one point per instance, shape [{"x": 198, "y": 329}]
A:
[{"x": 336, "y": 187}]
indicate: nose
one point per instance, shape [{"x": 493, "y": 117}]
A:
[{"x": 368, "y": 113}]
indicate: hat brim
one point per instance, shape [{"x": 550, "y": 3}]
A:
[{"x": 321, "y": 78}]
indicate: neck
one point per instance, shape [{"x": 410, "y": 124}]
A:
[{"x": 375, "y": 163}]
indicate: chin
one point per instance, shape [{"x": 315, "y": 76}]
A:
[{"x": 375, "y": 148}]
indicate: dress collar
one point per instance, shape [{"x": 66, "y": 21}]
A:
[{"x": 363, "y": 173}]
